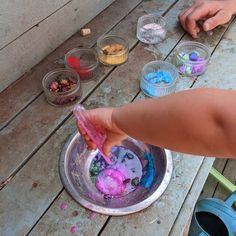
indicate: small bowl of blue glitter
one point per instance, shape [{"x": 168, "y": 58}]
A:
[
  {"x": 191, "y": 58},
  {"x": 158, "y": 78}
]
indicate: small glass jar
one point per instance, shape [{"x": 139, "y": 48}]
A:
[
  {"x": 158, "y": 78},
  {"x": 62, "y": 87},
  {"x": 112, "y": 50},
  {"x": 84, "y": 61},
  {"x": 151, "y": 28},
  {"x": 191, "y": 58}
]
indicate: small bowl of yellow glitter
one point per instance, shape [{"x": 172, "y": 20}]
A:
[{"x": 112, "y": 50}]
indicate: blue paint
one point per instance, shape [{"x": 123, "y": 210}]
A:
[
  {"x": 148, "y": 178},
  {"x": 158, "y": 77}
]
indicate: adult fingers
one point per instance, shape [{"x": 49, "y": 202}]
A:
[
  {"x": 183, "y": 15},
  {"x": 220, "y": 18},
  {"x": 191, "y": 19}
]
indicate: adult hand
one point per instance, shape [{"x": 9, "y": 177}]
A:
[
  {"x": 102, "y": 119},
  {"x": 211, "y": 12}
]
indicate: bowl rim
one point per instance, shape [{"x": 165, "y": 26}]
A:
[
  {"x": 106, "y": 210},
  {"x": 192, "y": 43},
  {"x": 163, "y": 20},
  {"x": 61, "y": 70},
  {"x": 168, "y": 85},
  {"x": 89, "y": 50}
]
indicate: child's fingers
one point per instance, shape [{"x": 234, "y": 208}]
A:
[
  {"x": 91, "y": 145},
  {"x": 87, "y": 139},
  {"x": 81, "y": 130}
]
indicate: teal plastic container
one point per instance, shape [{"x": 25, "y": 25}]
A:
[{"x": 214, "y": 217}]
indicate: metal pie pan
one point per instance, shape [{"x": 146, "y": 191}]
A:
[{"x": 74, "y": 166}]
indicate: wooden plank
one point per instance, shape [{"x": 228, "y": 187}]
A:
[
  {"x": 55, "y": 221},
  {"x": 132, "y": 226},
  {"x": 221, "y": 65},
  {"x": 87, "y": 223},
  {"x": 230, "y": 173},
  {"x": 28, "y": 87},
  {"x": 24, "y": 16},
  {"x": 35, "y": 187},
  {"x": 185, "y": 214},
  {"x": 42, "y": 123},
  {"x": 116, "y": 84},
  {"x": 45, "y": 161},
  {"x": 211, "y": 184},
  {"x": 22, "y": 55}
]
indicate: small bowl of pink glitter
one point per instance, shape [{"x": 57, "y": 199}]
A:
[
  {"x": 191, "y": 58},
  {"x": 151, "y": 28},
  {"x": 135, "y": 177}
]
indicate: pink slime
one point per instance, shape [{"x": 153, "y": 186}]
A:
[{"x": 111, "y": 182}]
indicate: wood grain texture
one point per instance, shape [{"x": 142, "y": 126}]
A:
[
  {"x": 229, "y": 173},
  {"x": 211, "y": 184},
  {"x": 30, "y": 83},
  {"x": 183, "y": 220},
  {"x": 30, "y": 175},
  {"x": 132, "y": 226},
  {"x": 43, "y": 123},
  {"x": 36, "y": 160},
  {"x": 29, "y": 49},
  {"x": 222, "y": 64},
  {"x": 30, "y": 193},
  {"x": 17, "y": 17},
  {"x": 120, "y": 87},
  {"x": 43, "y": 185},
  {"x": 57, "y": 222}
]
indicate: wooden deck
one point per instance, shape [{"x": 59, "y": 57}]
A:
[
  {"x": 211, "y": 187},
  {"x": 34, "y": 132}
]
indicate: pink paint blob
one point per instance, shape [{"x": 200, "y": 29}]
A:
[
  {"x": 73, "y": 62},
  {"x": 73, "y": 229},
  {"x": 63, "y": 206},
  {"x": 111, "y": 182}
]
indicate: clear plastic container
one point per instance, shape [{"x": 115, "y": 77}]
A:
[
  {"x": 95, "y": 135},
  {"x": 151, "y": 28},
  {"x": 54, "y": 95},
  {"x": 84, "y": 61},
  {"x": 112, "y": 50},
  {"x": 191, "y": 58},
  {"x": 161, "y": 88}
]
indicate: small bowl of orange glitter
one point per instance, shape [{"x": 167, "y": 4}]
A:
[{"x": 112, "y": 50}]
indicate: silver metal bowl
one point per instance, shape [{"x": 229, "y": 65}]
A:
[{"x": 74, "y": 166}]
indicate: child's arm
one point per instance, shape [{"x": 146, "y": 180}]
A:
[
  {"x": 212, "y": 12},
  {"x": 197, "y": 121}
]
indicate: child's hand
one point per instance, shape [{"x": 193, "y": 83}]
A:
[
  {"x": 102, "y": 119},
  {"x": 211, "y": 12}
]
